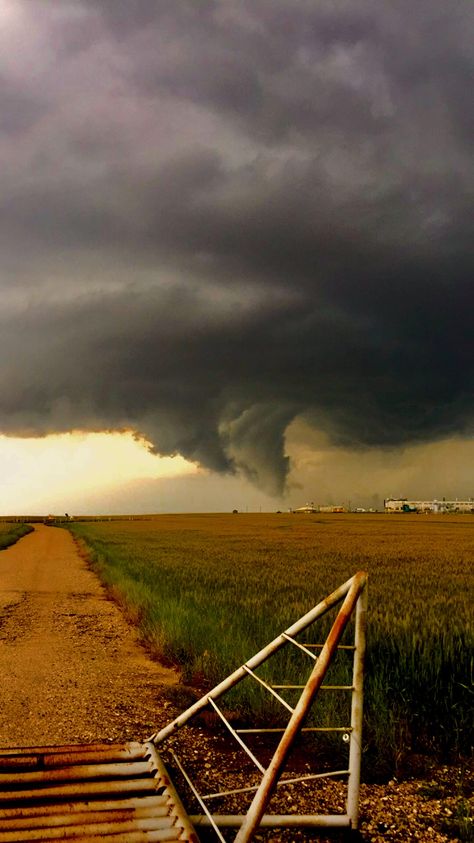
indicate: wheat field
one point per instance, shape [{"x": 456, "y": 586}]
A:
[{"x": 207, "y": 591}]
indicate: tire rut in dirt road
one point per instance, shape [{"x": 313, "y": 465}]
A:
[{"x": 72, "y": 668}]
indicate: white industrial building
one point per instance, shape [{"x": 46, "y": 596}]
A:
[{"x": 405, "y": 505}]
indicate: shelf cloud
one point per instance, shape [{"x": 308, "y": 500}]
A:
[{"x": 217, "y": 218}]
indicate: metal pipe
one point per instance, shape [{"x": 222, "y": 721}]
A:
[
  {"x": 273, "y": 771},
  {"x": 76, "y": 772},
  {"x": 161, "y": 829},
  {"x": 71, "y": 748},
  {"x": 49, "y": 813},
  {"x": 355, "y": 749},
  {"x": 239, "y": 740},
  {"x": 320, "y": 646},
  {"x": 269, "y": 688},
  {"x": 280, "y": 783},
  {"x": 277, "y": 820},
  {"x": 276, "y": 729},
  {"x": 174, "y": 802},
  {"x": 81, "y": 818},
  {"x": 153, "y": 803},
  {"x": 86, "y": 789},
  {"x": 300, "y": 646},
  {"x": 316, "y": 612},
  {"x": 199, "y": 798},
  {"x": 61, "y": 760},
  {"x": 322, "y": 688}
]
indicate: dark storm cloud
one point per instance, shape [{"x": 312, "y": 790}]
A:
[{"x": 217, "y": 217}]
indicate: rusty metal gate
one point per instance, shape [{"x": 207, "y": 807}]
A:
[
  {"x": 118, "y": 792},
  {"x": 124, "y": 792}
]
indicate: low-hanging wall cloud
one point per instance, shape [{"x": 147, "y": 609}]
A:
[{"x": 219, "y": 217}]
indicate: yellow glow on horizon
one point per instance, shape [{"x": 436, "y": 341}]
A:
[{"x": 35, "y": 473}]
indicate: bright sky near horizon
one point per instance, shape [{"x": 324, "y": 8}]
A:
[
  {"x": 38, "y": 475},
  {"x": 86, "y": 473}
]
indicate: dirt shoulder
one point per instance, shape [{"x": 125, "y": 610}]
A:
[{"x": 72, "y": 667}]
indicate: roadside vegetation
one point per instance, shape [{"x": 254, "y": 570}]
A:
[
  {"x": 207, "y": 591},
  {"x": 11, "y": 532}
]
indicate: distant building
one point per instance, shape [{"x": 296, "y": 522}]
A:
[
  {"x": 405, "y": 505},
  {"x": 312, "y": 508},
  {"x": 307, "y": 508}
]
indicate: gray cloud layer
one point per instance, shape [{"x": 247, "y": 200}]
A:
[{"x": 218, "y": 217}]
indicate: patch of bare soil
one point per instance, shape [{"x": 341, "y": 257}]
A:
[
  {"x": 72, "y": 668},
  {"x": 73, "y": 671}
]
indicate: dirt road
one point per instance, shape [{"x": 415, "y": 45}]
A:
[{"x": 71, "y": 668}]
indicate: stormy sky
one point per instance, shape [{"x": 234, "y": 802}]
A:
[{"x": 225, "y": 221}]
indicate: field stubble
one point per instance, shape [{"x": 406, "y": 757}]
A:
[{"x": 209, "y": 590}]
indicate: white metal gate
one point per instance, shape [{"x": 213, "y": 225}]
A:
[{"x": 352, "y": 596}]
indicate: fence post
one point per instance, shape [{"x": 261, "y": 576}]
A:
[{"x": 355, "y": 751}]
